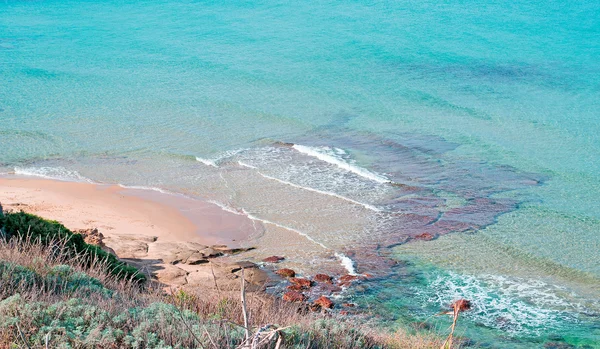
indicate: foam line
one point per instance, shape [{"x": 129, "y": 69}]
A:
[
  {"x": 314, "y": 152},
  {"x": 139, "y": 187},
  {"x": 214, "y": 162},
  {"x": 346, "y": 262},
  {"x": 367, "y": 206},
  {"x": 56, "y": 173},
  {"x": 207, "y": 162}
]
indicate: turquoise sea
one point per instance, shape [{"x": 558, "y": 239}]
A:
[{"x": 477, "y": 123}]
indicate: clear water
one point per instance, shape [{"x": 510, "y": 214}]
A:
[{"x": 485, "y": 117}]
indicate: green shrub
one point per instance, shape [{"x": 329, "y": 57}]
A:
[{"x": 27, "y": 226}]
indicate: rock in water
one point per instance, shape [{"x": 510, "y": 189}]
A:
[
  {"x": 293, "y": 296},
  {"x": 273, "y": 259},
  {"x": 323, "y": 278},
  {"x": 304, "y": 283},
  {"x": 285, "y": 272}
]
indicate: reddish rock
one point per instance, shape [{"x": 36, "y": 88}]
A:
[
  {"x": 324, "y": 302},
  {"x": 424, "y": 236},
  {"x": 347, "y": 279},
  {"x": 349, "y": 305},
  {"x": 273, "y": 259},
  {"x": 285, "y": 272},
  {"x": 323, "y": 278},
  {"x": 296, "y": 288},
  {"x": 368, "y": 276},
  {"x": 293, "y": 296},
  {"x": 461, "y": 305},
  {"x": 344, "y": 312},
  {"x": 305, "y": 283}
]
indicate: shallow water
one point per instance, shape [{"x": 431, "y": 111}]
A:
[{"x": 477, "y": 123}]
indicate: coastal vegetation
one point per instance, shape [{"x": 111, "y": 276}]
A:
[{"x": 56, "y": 291}]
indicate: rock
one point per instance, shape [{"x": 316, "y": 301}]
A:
[
  {"x": 239, "y": 250},
  {"x": 92, "y": 236},
  {"x": 193, "y": 246},
  {"x": 293, "y": 296},
  {"x": 461, "y": 305},
  {"x": 130, "y": 248},
  {"x": 202, "y": 278},
  {"x": 210, "y": 253},
  {"x": 324, "y": 302},
  {"x": 349, "y": 305},
  {"x": 237, "y": 266},
  {"x": 304, "y": 283},
  {"x": 171, "y": 275},
  {"x": 347, "y": 279},
  {"x": 296, "y": 288},
  {"x": 171, "y": 258},
  {"x": 273, "y": 259},
  {"x": 285, "y": 272},
  {"x": 196, "y": 259},
  {"x": 255, "y": 276},
  {"x": 131, "y": 237},
  {"x": 424, "y": 236},
  {"x": 284, "y": 144},
  {"x": 344, "y": 312},
  {"x": 323, "y": 278}
]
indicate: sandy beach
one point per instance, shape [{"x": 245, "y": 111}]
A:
[
  {"x": 116, "y": 210},
  {"x": 169, "y": 236}
]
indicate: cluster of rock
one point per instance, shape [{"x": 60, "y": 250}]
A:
[
  {"x": 213, "y": 268},
  {"x": 300, "y": 290},
  {"x": 182, "y": 264}
]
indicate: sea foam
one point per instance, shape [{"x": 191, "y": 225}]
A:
[
  {"x": 514, "y": 305},
  {"x": 214, "y": 162},
  {"x": 141, "y": 187},
  {"x": 325, "y": 154},
  {"x": 346, "y": 262},
  {"x": 367, "y": 206},
  {"x": 57, "y": 173}
]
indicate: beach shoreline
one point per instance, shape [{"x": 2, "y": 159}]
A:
[
  {"x": 168, "y": 236},
  {"x": 115, "y": 209}
]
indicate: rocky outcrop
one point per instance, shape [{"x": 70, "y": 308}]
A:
[
  {"x": 171, "y": 275},
  {"x": 285, "y": 272},
  {"x": 94, "y": 237}
]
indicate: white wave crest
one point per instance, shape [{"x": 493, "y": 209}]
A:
[
  {"x": 207, "y": 162},
  {"x": 57, "y": 173},
  {"x": 332, "y": 157},
  {"x": 140, "y": 187},
  {"x": 367, "y": 206},
  {"x": 214, "y": 162},
  {"x": 346, "y": 263}
]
